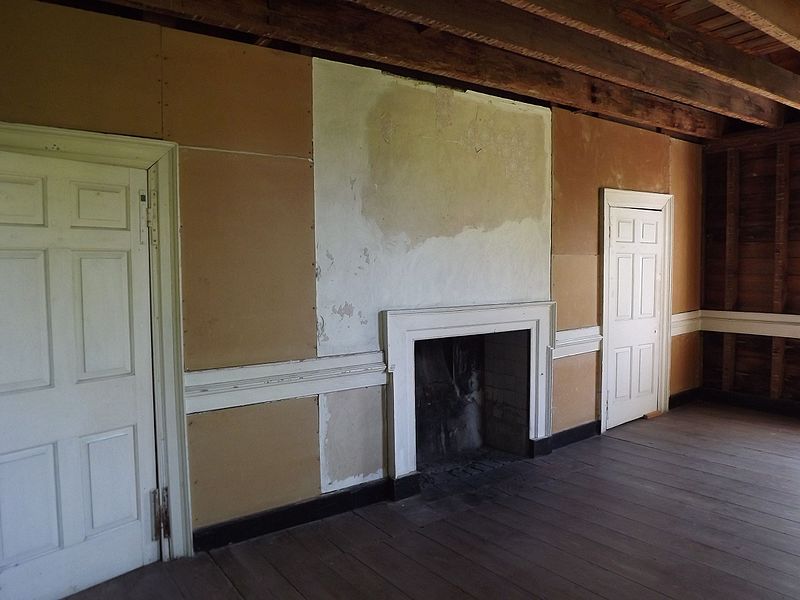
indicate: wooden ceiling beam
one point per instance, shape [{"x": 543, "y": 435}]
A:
[
  {"x": 352, "y": 31},
  {"x": 521, "y": 32},
  {"x": 779, "y": 19},
  {"x": 633, "y": 26}
]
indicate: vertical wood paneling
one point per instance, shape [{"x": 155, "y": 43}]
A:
[
  {"x": 732, "y": 177},
  {"x": 782, "y": 177},
  {"x": 752, "y": 263},
  {"x": 732, "y": 230}
]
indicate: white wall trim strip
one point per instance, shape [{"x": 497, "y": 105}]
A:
[
  {"x": 769, "y": 324},
  {"x": 571, "y": 342},
  {"x": 687, "y": 322},
  {"x": 239, "y": 386}
]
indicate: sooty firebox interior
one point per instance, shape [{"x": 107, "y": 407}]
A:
[{"x": 472, "y": 401}]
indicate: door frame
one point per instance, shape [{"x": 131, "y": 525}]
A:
[
  {"x": 160, "y": 160},
  {"x": 614, "y": 198}
]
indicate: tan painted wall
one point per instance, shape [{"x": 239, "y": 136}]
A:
[
  {"x": 68, "y": 68},
  {"x": 248, "y": 259},
  {"x": 248, "y": 459},
  {"x": 686, "y": 367},
  {"x": 220, "y": 94},
  {"x": 686, "y": 185},
  {"x": 589, "y": 154},
  {"x": 574, "y": 390}
]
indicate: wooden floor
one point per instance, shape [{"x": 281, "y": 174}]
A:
[{"x": 701, "y": 503}]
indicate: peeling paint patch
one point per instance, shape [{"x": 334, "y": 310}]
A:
[
  {"x": 321, "y": 335},
  {"x": 344, "y": 310},
  {"x": 440, "y": 162}
]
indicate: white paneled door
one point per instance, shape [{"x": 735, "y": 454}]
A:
[
  {"x": 633, "y": 342},
  {"x": 77, "y": 445}
]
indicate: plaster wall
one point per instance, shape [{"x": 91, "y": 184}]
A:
[
  {"x": 352, "y": 437},
  {"x": 424, "y": 196}
]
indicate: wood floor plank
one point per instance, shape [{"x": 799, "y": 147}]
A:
[
  {"x": 715, "y": 433},
  {"x": 306, "y": 572},
  {"x": 523, "y": 572},
  {"x": 366, "y": 580},
  {"x": 603, "y": 454},
  {"x": 682, "y": 452},
  {"x": 675, "y": 578},
  {"x": 723, "y": 452},
  {"x": 199, "y": 577},
  {"x": 147, "y": 583},
  {"x": 764, "y": 481},
  {"x": 670, "y": 529},
  {"x": 251, "y": 574},
  {"x": 747, "y": 508},
  {"x": 573, "y": 567},
  {"x": 455, "y": 568},
  {"x": 407, "y": 575},
  {"x": 644, "y": 494},
  {"x": 349, "y": 531},
  {"x": 387, "y": 519},
  {"x": 716, "y": 572}
]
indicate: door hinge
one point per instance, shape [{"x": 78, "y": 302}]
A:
[
  {"x": 159, "y": 509},
  {"x": 152, "y": 217}
]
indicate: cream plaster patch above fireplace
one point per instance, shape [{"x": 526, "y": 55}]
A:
[{"x": 424, "y": 197}]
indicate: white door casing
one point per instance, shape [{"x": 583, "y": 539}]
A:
[
  {"x": 77, "y": 441},
  {"x": 636, "y": 305}
]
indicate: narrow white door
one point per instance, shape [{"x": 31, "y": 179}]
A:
[
  {"x": 77, "y": 444},
  {"x": 632, "y": 344}
]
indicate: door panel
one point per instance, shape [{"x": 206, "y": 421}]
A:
[
  {"x": 77, "y": 444},
  {"x": 25, "y": 353},
  {"x": 636, "y": 248}
]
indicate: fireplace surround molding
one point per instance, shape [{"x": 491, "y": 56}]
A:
[{"x": 400, "y": 329}]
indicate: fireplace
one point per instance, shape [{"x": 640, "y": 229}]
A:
[
  {"x": 471, "y": 396},
  {"x": 403, "y": 329}
]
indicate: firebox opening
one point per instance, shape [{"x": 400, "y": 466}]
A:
[{"x": 472, "y": 402}]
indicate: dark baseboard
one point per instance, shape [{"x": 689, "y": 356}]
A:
[
  {"x": 790, "y": 408},
  {"x": 575, "y": 434},
  {"x": 546, "y": 445},
  {"x": 405, "y": 487},
  {"x": 685, "y": 397},
  {"x": 540, "y": 447},
  {"x": 244, "y": 528}
]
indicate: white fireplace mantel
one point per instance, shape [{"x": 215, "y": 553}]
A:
[{"x": 401, "y": 328}]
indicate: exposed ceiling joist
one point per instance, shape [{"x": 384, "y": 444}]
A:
[
  {"x": 511, "y": 29},
  {"x": 777, "y": 18},
  {"x": 348, "y": 30},
  {"x": 633, "y": 26}
]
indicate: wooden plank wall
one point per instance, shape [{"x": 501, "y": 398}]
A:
[{"x": 752, "y": 261}]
